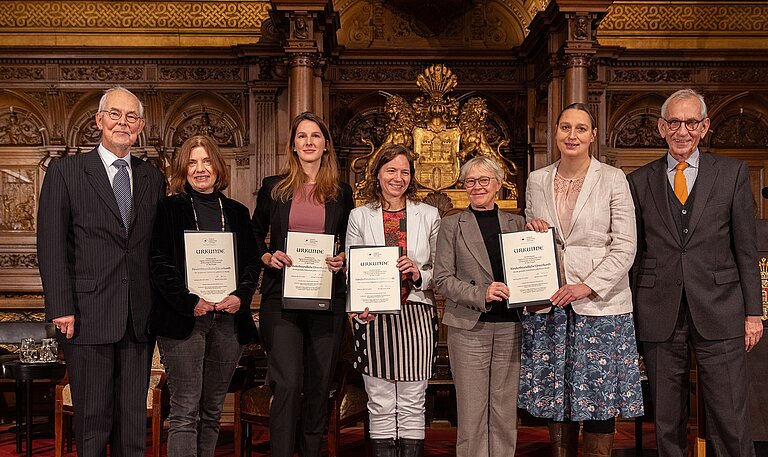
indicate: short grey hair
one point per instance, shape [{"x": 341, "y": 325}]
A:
[
  {"x": 484, "y": 162},
  {"x": 103, "y": 100},
  {"x": 685, "y": 93}
]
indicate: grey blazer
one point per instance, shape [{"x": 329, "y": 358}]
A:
[{"x": 462, "y": 268}]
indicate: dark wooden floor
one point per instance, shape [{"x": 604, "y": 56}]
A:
[{"x": 532, "y": 442}]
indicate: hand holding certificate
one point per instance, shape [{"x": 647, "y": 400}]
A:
[
  {"x": 308, "y": 281},
  {"x": 210, "y": 264},
  {"x": 531, "y": 267},
  {"x": 374, "y": 279}
]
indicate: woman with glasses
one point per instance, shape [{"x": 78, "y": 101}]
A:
[
  {"x": 396, "y": 352},
  {"x": 579, "y": 356},
  {"x": 483, "y": 333},
  {"x": 200, "y": 340}
]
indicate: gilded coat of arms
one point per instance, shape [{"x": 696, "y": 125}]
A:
[{"x": 442, "y": 137}]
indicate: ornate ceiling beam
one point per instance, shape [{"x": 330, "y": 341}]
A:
[{"x": 150, "y": 24}]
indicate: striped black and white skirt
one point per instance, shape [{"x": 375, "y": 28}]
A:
[{"x": 400, "y": 347}]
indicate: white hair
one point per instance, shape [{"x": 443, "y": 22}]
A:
[
  {"x": 103, "y": 101},
  {"x": 685, "y": 93}
]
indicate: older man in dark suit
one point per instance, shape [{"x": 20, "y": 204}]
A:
[
  {"x": 96, "y": 215},
  {"x": 695, "y": 280}
]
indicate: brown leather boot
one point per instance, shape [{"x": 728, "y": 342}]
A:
[
  {"x": 598, "y": 444},
  {"x": 564, "y": 439}
]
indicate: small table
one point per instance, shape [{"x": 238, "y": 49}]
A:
[{"x": 26, "y": 373}]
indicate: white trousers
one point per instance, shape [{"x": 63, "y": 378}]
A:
[{"x": 396, "y": 408}]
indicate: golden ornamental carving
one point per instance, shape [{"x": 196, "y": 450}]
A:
[
  {"x": 177, "y": 15},
  {"x": 443, "y": 135},
  {"x": 657, "y": 16}
]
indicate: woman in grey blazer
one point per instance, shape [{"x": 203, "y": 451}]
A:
[
  {"x": 579, "y": 357},
  {"x": 396, "y": 352},
  {"x": 483, "y": 334}
]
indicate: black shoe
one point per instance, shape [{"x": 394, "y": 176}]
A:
[
  {"x": 411, "y": 448},
  {"x": 384, "y": 447}
]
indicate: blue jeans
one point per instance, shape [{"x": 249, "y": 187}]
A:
[{"x": 199, "y": 370}]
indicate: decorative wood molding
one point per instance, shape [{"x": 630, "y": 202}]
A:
[
  {"x": 99, "y": 23},
  {"x": 685, "y": 25}
]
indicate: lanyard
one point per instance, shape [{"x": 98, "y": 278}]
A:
[{"x": 195, "y": 213}]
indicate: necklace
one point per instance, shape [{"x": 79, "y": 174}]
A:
[{"x": 194, "y": 212}]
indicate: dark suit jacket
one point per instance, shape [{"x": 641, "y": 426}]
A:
[
  {"x": 173, "y": 313},
  {"x": 271, "y": 217},
  {"x": 716, "y": 264},
  {"x": 88, "y": 266}
]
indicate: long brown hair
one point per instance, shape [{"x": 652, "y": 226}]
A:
[
  {"x": 372, "y": 190},
  {"x": 180, "y": 165},
  {"x": 327, "y": 188}
]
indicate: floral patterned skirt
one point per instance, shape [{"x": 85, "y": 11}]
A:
[{"x": 576, "y": 367}]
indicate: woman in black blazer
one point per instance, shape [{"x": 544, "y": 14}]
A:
[
  {"x": 200, "y": 341},
  {"x": 302, "y": 345}
]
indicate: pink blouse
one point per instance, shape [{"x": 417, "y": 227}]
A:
[
  {"x": 566, "y": 193},
  {"x": 306, "y": 215}
]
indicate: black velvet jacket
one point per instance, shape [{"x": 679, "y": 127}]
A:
[
  {"x": 271, "y": 217},
  {"x": 172, "y": 313}
]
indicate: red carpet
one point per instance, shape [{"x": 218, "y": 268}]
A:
[{"x": 532, "y": 442}]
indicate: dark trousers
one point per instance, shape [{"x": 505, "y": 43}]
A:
[
  {"x": 723, "y": 378},
  {"x": 199, "y": 370},
  {"x": 302, "y": 348},
  {"x": 109, "y": 395}
]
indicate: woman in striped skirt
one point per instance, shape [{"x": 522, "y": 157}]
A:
[{"x": 396, "y": 352}]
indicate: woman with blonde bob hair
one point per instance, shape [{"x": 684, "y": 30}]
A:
[
  {"x": 301, "y": 344},
  {"x": 200, "y": 340},
  {"x": 483, "y": 332}
]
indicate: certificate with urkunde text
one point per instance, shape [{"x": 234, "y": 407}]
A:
[
  {"x": 308, "y": 283},
  {"x": 531, "y": 267},
  {"x": 374, "y": 279},
  {"x": 210, "y": 264}
]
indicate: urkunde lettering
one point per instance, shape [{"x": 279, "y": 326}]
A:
[
  {"x": 209, "y": 251},
  {"x": 309, "y": 250},
  {"x": 529, "y": 249}
]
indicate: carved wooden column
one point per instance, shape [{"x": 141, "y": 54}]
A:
[
  {"x": 309, "y": 31},
  {"x": 579, "y": 48},
  {"x": 263, "y": 132},
  {"x": 302, "y": 82},
  {"x": 576, "y": 79}
]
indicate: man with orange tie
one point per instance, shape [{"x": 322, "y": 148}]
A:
[{"x": 695, "y": 281}]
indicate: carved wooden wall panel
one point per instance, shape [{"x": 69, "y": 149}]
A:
[{"x": 47, "y": 110}]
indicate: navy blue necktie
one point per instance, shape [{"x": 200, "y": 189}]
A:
[{"x": 122, "y": 188}]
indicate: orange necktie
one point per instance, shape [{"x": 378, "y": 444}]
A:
[{"x": 681, "y": 185}]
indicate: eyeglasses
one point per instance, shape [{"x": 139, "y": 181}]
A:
[
  {"x": 130, "y": 118},
  {"x": 483, "y": 181},
  {"x": 690, "y": 124}
]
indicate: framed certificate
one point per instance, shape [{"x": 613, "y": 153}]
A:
[
  {"x": 374, "y": 280},
  {"x": 211, "y": 269},
  {"x": 308, "y": 283},
  {"x": 531, "y": 267}
]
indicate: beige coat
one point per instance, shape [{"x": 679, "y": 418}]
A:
[{"x": 599, "y": 248}]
